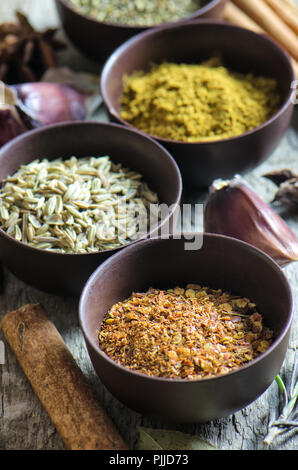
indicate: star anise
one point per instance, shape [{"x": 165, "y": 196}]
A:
[
  {"x": 287, "y": 182},
  {"x": 25, "y": 53}
]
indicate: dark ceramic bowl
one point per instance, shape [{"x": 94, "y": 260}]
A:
[
  {"x": 243, "y": 51},
  {"x": 67, "y": 273},
  {"x": 98, "y": 40},
  {"x": 222, "y": 262}
]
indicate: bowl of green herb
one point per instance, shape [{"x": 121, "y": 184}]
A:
[{"x": 98, "y": 27}]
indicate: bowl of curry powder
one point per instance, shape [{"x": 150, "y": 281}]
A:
[{"x": 216, "y": 96}]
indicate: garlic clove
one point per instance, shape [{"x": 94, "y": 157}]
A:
[
  {"x": 30, "y": 105},
  {"x": 235, "y": 210},
  {"x": 11, "y": 124},
  {"x": 50, "y": 103}
]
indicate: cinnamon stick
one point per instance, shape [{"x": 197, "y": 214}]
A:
[
  {"x": 58, "y": 382},
  {"x": 264, "y": 16},
  {"x": 285, "y": 13},
  {"x": 291, "y": 5},
  {"x": 239, "y": 18}
]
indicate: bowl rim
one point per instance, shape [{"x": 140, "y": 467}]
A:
[
  {"x": 44, "y": 129},
  {"x": 114, "y": 57},
  {"x": 204, "y": 9},
  {"x": 246, "y": 246}
]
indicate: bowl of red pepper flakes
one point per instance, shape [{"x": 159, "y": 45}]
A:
[
  {"x": 187, "y": 335},
  {"x": 190, "y": 333}
]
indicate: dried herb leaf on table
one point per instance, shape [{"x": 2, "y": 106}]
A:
[
  {"x": 26, "y": 53},
  {"x": 163, "y": 439},
  {"x": 287, "y": 182},
  {"x": 287, "y": 420}
]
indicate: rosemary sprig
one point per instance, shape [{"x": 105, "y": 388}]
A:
[{"x": 287, "y": 420}]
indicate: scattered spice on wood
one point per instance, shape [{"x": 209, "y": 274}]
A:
[
  {"x": 58, "y": 382},
  {"x": 191, "y": 333},
  {"x": 197, "y": 102},
  {"x": 287, "y": 182},
  {"x": 25, "y": 53}
]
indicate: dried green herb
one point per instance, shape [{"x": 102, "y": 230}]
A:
[
  {"x": 137, "y": 12},
  {"x": 287, "y": 420}
]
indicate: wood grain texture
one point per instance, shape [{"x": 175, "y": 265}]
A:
[{"x": 24, "y": 424}]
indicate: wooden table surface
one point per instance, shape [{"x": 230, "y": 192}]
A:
[{"x": 24, "y": 424}]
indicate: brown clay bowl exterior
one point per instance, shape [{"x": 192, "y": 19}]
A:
[
  {"x": 98, "y": 40},
  {"x": 222, "y": 262},
  {"x": 243, "y": 51},
  {"x": 66, "y": 274}
]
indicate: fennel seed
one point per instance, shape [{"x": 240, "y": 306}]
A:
[{"x": 80, "y": 205}]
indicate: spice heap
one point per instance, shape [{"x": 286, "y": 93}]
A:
[
  {"x": 137, "y": 12},
  {"x": 190, "y": 333},
  {"x": 31, "y": 105},
  {"x": 80, "y": 205},
  {"x": 197, "y": 102},
  {"x": 26, "y": 53}
]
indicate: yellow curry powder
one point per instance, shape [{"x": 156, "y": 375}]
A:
[{"x": 197, "y": 102}]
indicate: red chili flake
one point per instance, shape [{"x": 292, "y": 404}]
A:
[{"x": 189, "y": 333}]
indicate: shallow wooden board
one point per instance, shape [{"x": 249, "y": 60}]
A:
[{"x": 23, "y": 422}]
